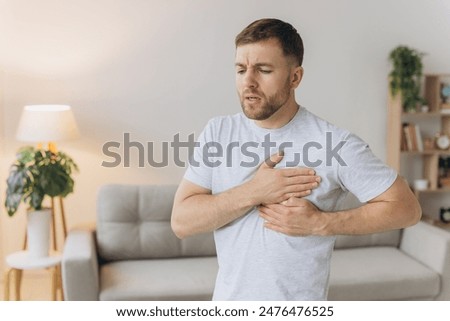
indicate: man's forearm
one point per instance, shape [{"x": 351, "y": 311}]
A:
[
  {"x": 372, "y": 218},
  {"x": 394, "y": 209},
  {"x": 200, "y": 213}
]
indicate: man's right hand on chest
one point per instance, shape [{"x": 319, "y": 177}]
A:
[{"x": 274, "y": 185}]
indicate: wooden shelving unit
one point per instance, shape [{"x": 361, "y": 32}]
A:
[
  {"x": 437, "y": 116},
  {"x": 435, "y": 222}
]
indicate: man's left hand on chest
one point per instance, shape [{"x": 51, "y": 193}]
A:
[{"x": 293, "y": 217}]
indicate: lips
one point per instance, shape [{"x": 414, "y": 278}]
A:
[{"x": 251, "y": 96}]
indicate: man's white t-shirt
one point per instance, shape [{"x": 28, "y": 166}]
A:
[{"x": 256, "y": 263}]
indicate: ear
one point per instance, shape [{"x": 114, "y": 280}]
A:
[{"x": 296, "y": 76}]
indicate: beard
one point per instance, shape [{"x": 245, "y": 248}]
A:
[{"x": 266, "y": 106}]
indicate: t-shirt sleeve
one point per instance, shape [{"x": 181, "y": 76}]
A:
[
  {"x": 197, "y": 172},
  {"x": 362, "y": 173}
]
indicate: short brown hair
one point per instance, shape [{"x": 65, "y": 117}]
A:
[{"x": 264, "y": 29}]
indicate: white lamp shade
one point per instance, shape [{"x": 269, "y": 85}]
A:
[{"x": 47, "y": 123}]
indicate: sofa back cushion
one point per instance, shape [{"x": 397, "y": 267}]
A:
[
  {"x": 133, "y": 222},
  {"x": 390, "y": 238}
]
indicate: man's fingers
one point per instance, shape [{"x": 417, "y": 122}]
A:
[
  {"x": 273, "y": 159},
  {"x": 295, "y": 202},
  {"x": 297, "y": 190},
  {"x": 311, "y": 181},
  {"x": 273, "y": 209},
  {"x": 298, "y": 194},
  {"x": 297, "y": 171},
  {"x": 270, "y": 215}
]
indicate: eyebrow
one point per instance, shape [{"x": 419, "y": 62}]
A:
[{"x": 261, "y": 64}]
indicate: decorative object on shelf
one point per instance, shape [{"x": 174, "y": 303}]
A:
[
  {"x": 38, "y": 172},
  {"x": 444, "y": 171},
  {"x": 428, "y": 143},
  {"x": 405, "y": 76},
  {"x": 445, "y": 182},
  {"x": 420, "y": 184},
  {"x": 445, "y": 215},
  {"x": 442, "y": 141},
  {"x": 445, "y": 92},
  {"x": 424, "y": 108}
]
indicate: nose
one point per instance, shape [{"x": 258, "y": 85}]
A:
[{"x": 249, "y": 79}]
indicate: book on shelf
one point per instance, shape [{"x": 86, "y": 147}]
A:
[
  {"x": 411, "y": 138},
  {"x": 418, "y": 138}
]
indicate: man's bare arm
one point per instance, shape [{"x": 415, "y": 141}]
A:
[
  {"x": 396, "y": 208},
  {"x": 196, "y": 210}
]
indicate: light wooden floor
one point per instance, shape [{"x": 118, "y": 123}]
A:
[{"x": 36, "y": 286}]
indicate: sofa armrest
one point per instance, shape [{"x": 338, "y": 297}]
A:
[
  {"x": 80, "y": 269},
  {"x": 430, "y": 245}
]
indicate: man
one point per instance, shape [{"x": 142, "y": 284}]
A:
[{"x": 275, "y": 222}]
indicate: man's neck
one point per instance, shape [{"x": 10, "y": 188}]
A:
[{"x": 283, "y": 116}]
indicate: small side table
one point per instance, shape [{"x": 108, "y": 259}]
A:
[{"x": 20, "y": 261}]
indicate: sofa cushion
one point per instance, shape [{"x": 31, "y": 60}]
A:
[
  {"x": 380, "y": 273},
  {"x": 161, "y": 280},
  {"x": 133, "y": 222}
]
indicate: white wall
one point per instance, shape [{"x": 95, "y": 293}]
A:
[
  {"x": 157, "y": 68},
  {"x": 2, "y": 158}
]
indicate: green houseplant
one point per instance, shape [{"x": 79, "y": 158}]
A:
[
  {"x": 35, "y": 174},
  {"x": 405, "y": 76}
]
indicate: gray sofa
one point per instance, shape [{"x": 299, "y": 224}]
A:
[{"x": 134, "y": 255}]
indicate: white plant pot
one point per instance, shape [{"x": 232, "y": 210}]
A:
[{"x": 38, "y": 232}]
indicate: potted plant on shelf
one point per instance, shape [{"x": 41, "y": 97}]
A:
[
  {"x": 37, "y": 173},
  {"x": 405, "y": 76}
]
